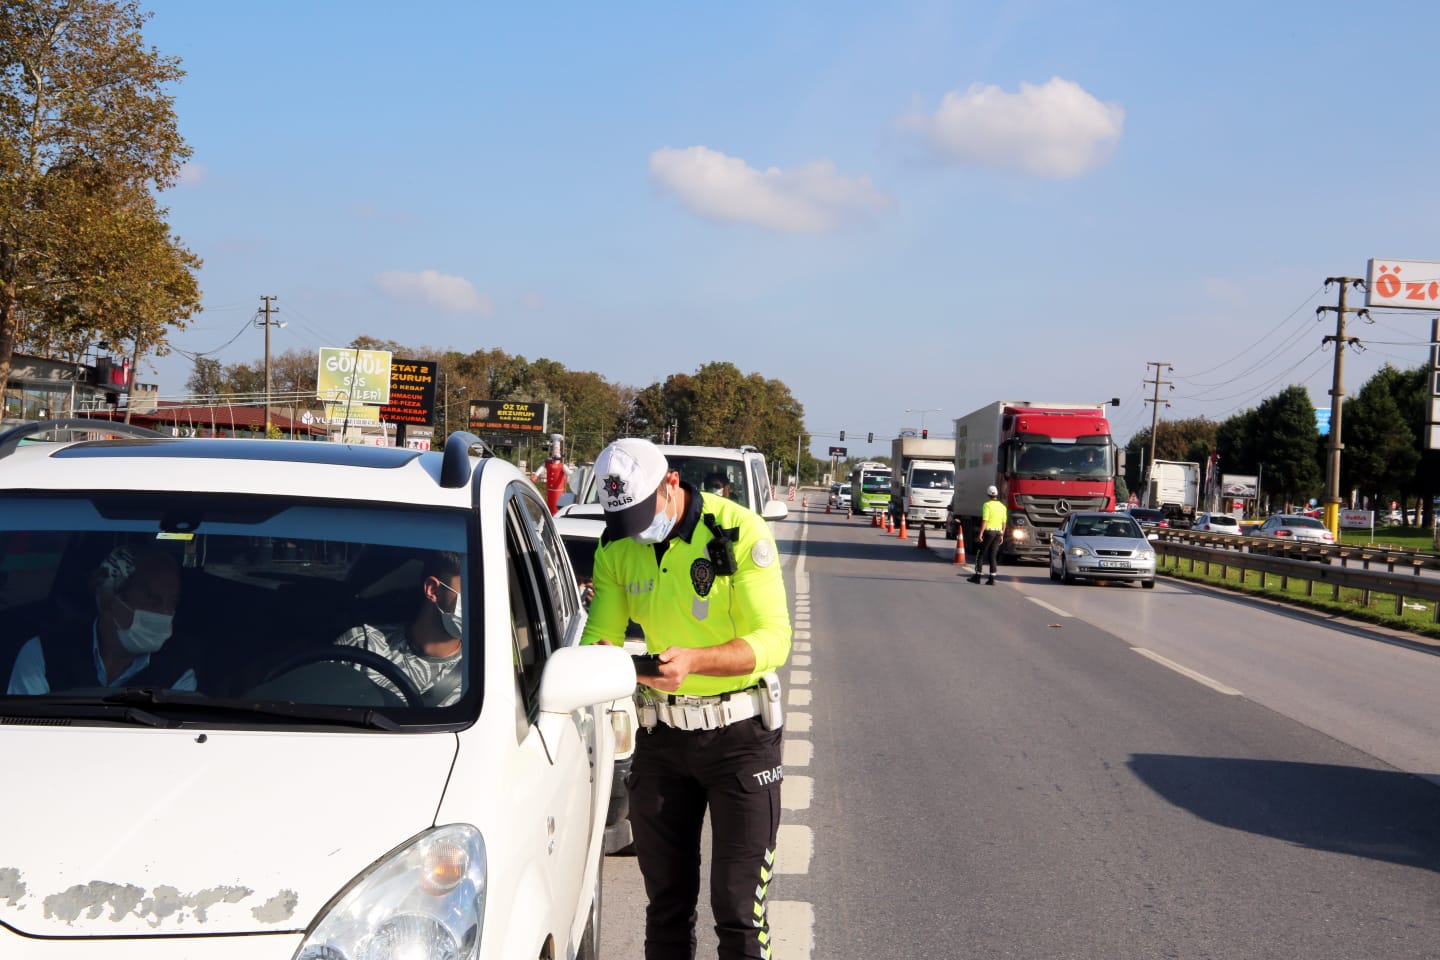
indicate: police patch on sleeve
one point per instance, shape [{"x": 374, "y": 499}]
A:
[{"x": 763, "y": 553}]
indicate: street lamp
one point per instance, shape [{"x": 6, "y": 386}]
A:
[{"x": 922, "y": 416}]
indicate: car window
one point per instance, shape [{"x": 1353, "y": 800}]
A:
[
  {"x": 530, "y": 629},
  {"x": 761, "y": 481},
  {"x": 695, "y": 470},
  {"x": 1308, "y": 522},
  {"x": 550, "y": 558},
  {"x": 274, "y": 601}
]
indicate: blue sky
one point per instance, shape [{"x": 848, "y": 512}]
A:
[{"x": 888, "y": 207}]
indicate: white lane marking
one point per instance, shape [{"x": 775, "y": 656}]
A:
[
  {"x": 800, "y": 678},
  {"x": 793, "y": 846},
  {"x": 798, "y": 698},
  {"x": 803, "y": 646},
  {"x": 1055, "y": 610},
  {"x": 795, "y": 791},
  {"x": 797, "y": 721},
  {"x": 792, "y": 928},
  {"x": 800, "y": 661},
  {"x": 796, "y": 753},
  {"x": 1184, "y": 671},
  {"x": 801, "y": 635}
]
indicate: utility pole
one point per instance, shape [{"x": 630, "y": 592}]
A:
[
  {"x": 1337, "y": 397},
  {"x": 1154, "y": 420},
  {"x": 268, "y": 309}
]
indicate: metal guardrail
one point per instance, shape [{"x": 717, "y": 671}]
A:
[
  {"x": 1344, "y": 553},
  {"x": 1401, "y": 585}
]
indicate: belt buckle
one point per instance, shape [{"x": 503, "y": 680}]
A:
[{"x": 694, "y": 717}]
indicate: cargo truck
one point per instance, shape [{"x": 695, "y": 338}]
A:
[
  {"x": 1046, "y": 459},
  {"x": 922, "y": 479},
  {"x": 1174, "y": 490}
]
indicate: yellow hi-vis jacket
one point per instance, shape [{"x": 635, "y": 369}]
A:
[
  {"x": 672, "y": 591},
  {"x": 993, "y": 516}
]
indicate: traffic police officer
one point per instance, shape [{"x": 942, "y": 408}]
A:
[
  {"x": 993, "y": 517},
  {"x": 701, "y": 575}
]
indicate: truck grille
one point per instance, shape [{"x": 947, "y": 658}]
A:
[{"x": 1048, "y": 510}]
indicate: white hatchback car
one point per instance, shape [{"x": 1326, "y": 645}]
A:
[
  {"x": 249, "y": 788},
  {"x": 738, "y": 473}
]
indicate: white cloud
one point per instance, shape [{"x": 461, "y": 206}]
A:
[
  {"x": 1053, "y": 130},
  {"x": 435, "y": 289},
  {"x": 807, "y": 199}
]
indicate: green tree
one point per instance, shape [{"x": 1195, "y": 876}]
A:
[
  {"x": 1381, "y": 455},
  {"x": 87, "y": 129},
  {"x": 1287, "y": 442}
]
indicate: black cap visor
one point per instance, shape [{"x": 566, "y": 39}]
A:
[{"x": 633, "y": 519}]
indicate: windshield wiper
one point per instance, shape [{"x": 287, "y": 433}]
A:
[
  {"x": 81, "y": 708},
  {"x": 350, "y": 716}
]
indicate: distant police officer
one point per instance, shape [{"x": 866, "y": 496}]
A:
[
  {"x": 701, "y": 575},
  {"x": 993, "y": 516}
]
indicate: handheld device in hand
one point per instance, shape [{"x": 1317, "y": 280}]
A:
[{"x": 646, "y": 664}]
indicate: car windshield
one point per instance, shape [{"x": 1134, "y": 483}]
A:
[
  {"x": 270, "y": 612},
  {"x": 712, "y": 475},
  {"x": 932, "y": 479},
  {"x": 1107, "y": 526},
  {"x": 875, "y": 482},
  {"x": 1085, "y": 461},
  {"x": 1308, "y": 523}
]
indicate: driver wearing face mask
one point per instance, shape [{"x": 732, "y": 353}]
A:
[
  {"x": 136, "y": 591},
  {"x": 427, "y": 648}
]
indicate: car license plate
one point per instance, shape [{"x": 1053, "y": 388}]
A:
[{"x": 1121, "y": 564}]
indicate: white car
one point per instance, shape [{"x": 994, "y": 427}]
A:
[
  {"x": 1216, "y": 523},
  {"x": 295, "y": 799},
  {"x": 741, "y": 470}
]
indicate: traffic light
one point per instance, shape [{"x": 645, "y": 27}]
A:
[
  {"x": 842, "y": 434},
  {"x": 870, "y": 438},
  {"x": 924, "y": 434}
]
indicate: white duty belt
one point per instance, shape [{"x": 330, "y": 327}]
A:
[{"x": 697, "y": 713}]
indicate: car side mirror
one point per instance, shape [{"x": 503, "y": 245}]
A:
[{"x": 775, "y": 510}]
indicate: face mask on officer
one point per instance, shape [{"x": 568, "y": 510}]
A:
[{"x": 661, "y": 526}]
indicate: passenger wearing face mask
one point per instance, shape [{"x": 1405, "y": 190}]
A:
[
  {"x": 702, "y": 576},
  {"x": 427, "y": 648},
  {"x": 136, "y": 591}
]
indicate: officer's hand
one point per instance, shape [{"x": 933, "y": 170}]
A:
[{"x": 674, "y": 668}]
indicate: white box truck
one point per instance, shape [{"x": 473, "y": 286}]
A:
[
  {"x": 922, "y": 480},
  {"x": 1175, "y": 491}
]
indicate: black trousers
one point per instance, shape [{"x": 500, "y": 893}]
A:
[
  {"x": 989, "y": 550},
  {"x": 678, "y": 774}
]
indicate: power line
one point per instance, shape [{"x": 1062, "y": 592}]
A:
[{"x": 1262, "y": 339}]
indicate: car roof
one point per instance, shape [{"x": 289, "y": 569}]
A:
[
  {"x": 723, "y": 453},
  {"x": 296, "y": 469}
]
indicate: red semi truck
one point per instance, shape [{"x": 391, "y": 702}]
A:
[{"x": 1046, "y": 459}]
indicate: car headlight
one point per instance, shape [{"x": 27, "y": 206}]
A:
[
  {"x": 425, "y": 900},
  {"x": 1145, "y": 554},
  {"x": 1079, "y": 551}
]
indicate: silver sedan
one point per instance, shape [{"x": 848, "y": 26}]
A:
[{"x": 1101, "y": 546}]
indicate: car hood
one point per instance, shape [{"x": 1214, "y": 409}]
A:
[
  {"x": 1113, "y": 543},
  {"x": 120, "y": 832}
]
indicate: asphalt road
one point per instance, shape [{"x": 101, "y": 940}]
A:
[{"x": 1032, "y": 770}]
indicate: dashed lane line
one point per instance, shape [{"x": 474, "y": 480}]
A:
[
  {"x": 1185, "y": 671},
  {"x": 1055, "y": 610}
]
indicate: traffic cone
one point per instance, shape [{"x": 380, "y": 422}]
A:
[
  {"x": 959, "y": 545},
  {"x": 904, "y": 531},
  {"x": 804, "y": 501},
  {"x": 827, "y": 506},
  {"x": 889, "y": 527},
  {"x": 921, "y": 542},
  {"x": 874, "y": 519}
]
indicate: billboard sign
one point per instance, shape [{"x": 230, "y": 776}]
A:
[
  {"x": 1412, "y": 284},
  {"x": 1357, "y": 519},
  {"x": 517, "y": 417},
  {"x": 1234, "y": 485},
  {"x": 354, "y": 376},
  {"x": 352, "y": 415},
  {"x": 838, "y": 452},
  {"x": 412, "y": 393}
]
